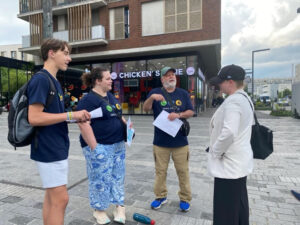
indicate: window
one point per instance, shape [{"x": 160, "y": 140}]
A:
[
  {"x": 131, "y": 83},
  {"x": 119, "y": 23},
  {"x": 3, "y": 53},
  {"x": 182, "y": 15},
  {"x": 13, "y": 54}
]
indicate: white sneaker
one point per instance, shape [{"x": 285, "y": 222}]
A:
[
  {"x": 119, "y": 214},
  {"x": 101, "y": 217}
]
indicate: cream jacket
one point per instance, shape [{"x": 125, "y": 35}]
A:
[{"x": 230, "y": 155}]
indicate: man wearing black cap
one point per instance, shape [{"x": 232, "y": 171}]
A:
[
  {"x": 176, "y": 101},
  {"x": 230, "y": 157}
]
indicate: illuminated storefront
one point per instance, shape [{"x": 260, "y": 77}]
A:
[{"x": 133, "y": 80}]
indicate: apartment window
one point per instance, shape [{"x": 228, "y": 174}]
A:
[
  {"x": 3, "y": 53},
  {"x": 182, "y": 15},
  {"x": 13, "y": 54},
  {"x": 119, "y": 23}
]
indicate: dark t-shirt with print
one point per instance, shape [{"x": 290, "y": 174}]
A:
[
  {"x": 181, "y": 101},
  {"x": 53, "y": 140},
  {"x": 108, "y": 128}
]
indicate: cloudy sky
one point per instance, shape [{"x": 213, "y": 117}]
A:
[{"x": 247, "y": 25}]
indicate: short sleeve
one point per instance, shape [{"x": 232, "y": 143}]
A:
[{"x": 38, "y": 89}]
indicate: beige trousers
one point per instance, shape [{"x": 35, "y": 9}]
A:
[{"x": 180, "y": 158}]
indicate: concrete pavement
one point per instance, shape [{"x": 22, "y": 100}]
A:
[{"x": 269, "y": 186}]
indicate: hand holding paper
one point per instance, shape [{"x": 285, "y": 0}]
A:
[{"x": 96, "y": 113}]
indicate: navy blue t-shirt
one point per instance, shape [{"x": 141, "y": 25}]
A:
[
  {"x": 53, "y": 141},
  {"x": 181, "y": 100},
  {"x": 107, "y": 129}
]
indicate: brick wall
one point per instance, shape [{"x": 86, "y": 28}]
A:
[{"x": 211, "y": 28}]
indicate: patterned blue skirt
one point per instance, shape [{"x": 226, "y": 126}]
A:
[{"x": 106, "y": 172}]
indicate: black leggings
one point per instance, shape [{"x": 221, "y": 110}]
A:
[{"x": 231, "y": 202}]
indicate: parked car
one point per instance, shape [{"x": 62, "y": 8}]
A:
[{"x": 265, "y": 99}]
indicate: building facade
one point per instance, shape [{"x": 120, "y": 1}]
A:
[
  {"x": 134, "y": 39},
  {"x": 12, "y": 51},
  {"x": 296, "y": 91},
  {"x": 269, "y": 86}
]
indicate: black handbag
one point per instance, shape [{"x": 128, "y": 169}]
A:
[
  {"x": 261, "y": 138},
  {"x": 185, "y": 127}
]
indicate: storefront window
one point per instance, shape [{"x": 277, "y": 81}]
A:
[
  {"x": 133, "y": 80},
  {"x": 128, "y": 78}
]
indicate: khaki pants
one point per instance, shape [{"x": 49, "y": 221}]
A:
[{"x": 180, "y": 158}]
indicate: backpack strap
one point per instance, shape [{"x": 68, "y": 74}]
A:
[
  {"x": 52, "y": 91},
  {"x": 50, "y": 98}
]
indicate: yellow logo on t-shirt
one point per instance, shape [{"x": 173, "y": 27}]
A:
[
  {"x": 60, "y": 97},
  {"x": 118, "y": 106},
  {"x": 178, "y": 103}
]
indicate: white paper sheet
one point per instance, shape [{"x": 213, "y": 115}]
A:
[
  {"x": 170, "y": 127},
  {"x": 96, "y": 113},
  {"x": 130, "y": 132}
]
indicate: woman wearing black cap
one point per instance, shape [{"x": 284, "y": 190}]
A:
[{"x": 230, "y": 158}]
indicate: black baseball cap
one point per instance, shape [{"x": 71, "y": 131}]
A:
[{"x": 230, "y": 72}]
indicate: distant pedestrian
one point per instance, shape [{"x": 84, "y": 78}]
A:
[{"x": 230, "y": 157}]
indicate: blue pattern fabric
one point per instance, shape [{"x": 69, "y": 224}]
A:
[{"x": 106, "y": 172}]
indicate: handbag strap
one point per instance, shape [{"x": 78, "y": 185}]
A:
[
  {"x": 169, "y": 99},
  {"x": 107, "y": 102},
  {"x": 255, "y": 118}
]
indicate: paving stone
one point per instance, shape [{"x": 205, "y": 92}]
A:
[
  {"x": 21, "y": 220},
  {"x": 80, "y": 222},
  {"x": 269, "y": 185},
  {"x": 11, "y": 199}
]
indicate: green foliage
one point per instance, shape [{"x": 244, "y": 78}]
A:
[
  {"x": 261, "y": 106},
  {"x": 281, "y": 112},
  {"x": 286, "y": 92},
  {"x": 12, "y": 79}
]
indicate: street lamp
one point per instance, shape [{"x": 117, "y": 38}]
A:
[{"x": 259, "y": 50}]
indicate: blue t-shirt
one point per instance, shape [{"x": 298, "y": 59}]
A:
[
  {"x": 181, "y": 101},
  {"x": 53, "y": 140},
  {"x": 107, "y": 129}
]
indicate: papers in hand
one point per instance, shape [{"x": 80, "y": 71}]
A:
[
  {"x": 130, "y": 132},
  {"x": 170, "y": 127},
  {"x": 96, "y": 113}
]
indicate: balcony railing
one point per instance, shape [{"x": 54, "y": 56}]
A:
[
  {"x": 29, "y": 5},
  {"x": 26, "y": 6},
  {"x": 98, "y": 32},
  {"x": 62, "y": 35},
  {"x": 65, "y": 2}
]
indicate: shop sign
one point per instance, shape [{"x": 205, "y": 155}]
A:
[{"x": 149, "y": 73}]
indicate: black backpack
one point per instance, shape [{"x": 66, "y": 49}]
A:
[{"x": 20, "y": 132}]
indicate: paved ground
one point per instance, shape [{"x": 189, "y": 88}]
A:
[{"x": 269, "y": 186}]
